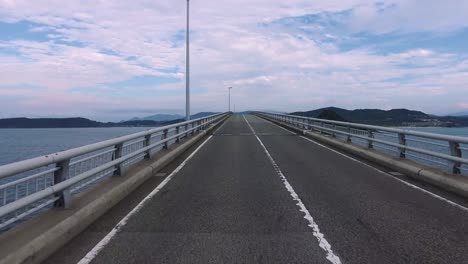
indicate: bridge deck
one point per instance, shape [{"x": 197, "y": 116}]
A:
[{"x": 230, "y": 204}]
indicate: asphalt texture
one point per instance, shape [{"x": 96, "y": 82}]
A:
[{"x": 229, "y": 205}]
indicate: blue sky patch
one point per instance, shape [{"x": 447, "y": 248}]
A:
[{"x": 23, "y": 30}]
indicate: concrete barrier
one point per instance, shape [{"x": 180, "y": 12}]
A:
[
  {"x": 450, "y": 182},
  {"x": 35, "y": 240}
]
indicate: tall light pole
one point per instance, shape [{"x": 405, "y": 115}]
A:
[
  {"x": 187, "y": 68},
  {"x": 229, "y": 96}
]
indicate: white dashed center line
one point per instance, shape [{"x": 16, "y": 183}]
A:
[{"x": 323, "y": 243}]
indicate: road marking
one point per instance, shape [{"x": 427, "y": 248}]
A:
[
  {"x": 393, "y": 177},
  {"x": 102, "y": 244},
  {"x": 323, "y": 243},
  {"x": 287, "y": 130},
  {"x": 459, "y": 206}
]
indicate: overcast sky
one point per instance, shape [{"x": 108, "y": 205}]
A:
[{"x": 113, "y": 60}]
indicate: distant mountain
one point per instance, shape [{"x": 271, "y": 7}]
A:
[
  {"x": 23, "y": 122},
  {"x": 142, "y": 123},
  {"x": 74, "y": 123},
  {"x": 331, "y": 115},
  {"x": 465, "y": 113},
  {"x": 202, "y": 114},
  {"x": 172, "y": 117},
  {"x": 79, "y": 122},
  {"x": 394, "y": 117},
  {"x": 160, "y": 117}
]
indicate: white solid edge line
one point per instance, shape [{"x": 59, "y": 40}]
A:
[
  {"x": 323, "y": 243},
  {"x": 287, "y": 130},
  {"x": 101, "y": 245},
  {"x": 391, "y": 176},
  {"x": 387, "y": 174}
]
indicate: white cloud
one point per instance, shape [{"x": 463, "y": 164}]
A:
[
  {"x": 411, "y": 16},
  {"x": 271, "y": 68}
]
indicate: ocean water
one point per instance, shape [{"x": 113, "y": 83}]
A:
[
  {"x": 454, "y": 131},
  {"x": 439, "y": 146},
  {"x": 21, "y": 144},
  {"x": 458, "y": 131}
]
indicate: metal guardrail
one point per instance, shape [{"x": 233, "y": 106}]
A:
[
  {"x": 29, "y": 186},
  {"x": 442, "y": 151}
]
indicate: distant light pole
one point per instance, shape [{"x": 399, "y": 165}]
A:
[
  {"x": 187, "y": 68},
  {"x": 229, "y": 96}
]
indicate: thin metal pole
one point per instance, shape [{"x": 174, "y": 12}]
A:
[
  {"x": 187, "y": 73},
  {"x": 229, "y": 89}
]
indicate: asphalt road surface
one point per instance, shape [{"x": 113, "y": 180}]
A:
[{"x": 257, "y": 193}]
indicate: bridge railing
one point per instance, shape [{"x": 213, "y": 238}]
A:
[
  {"x": 29, "y": 186},
  {"x": 446, "y": 152}
]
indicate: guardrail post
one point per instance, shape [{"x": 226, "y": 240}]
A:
[
  {"x": 178, "y": 132},
  {"x": 349, "y": 137},
  {"x": 402, "y": 141},
  {"x": 370, "y": 135},
  {"x": 118, "y": 154},
  {"x": 333, "y": 132},
  {"x": 456, "y": 152},
  {"x": 165, "y": 134},
  {"x": 147, "y": 142},
  {"x": 60, "y": 176},
  {"x": 192, "y": 131},
  {"x": 203, "y": 123},
  {"x": 321, "y": 127},
  {"x": 186, "y": 130}
]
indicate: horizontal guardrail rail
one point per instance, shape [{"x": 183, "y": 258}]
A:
[
  {"x": 29, "y": 186},
  {"x": 445, "y": 152}
]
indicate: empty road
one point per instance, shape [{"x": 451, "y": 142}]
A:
[{"x": 257, "y": 193}]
